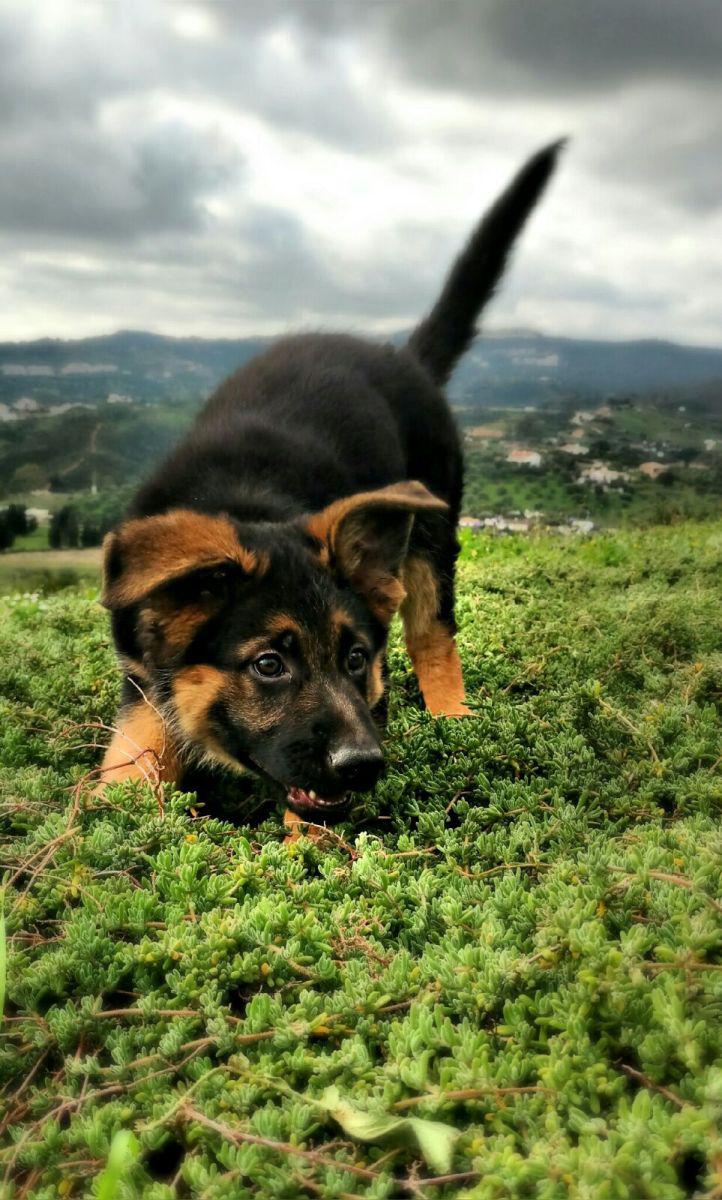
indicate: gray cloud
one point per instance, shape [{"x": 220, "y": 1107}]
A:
[
  {"x": 68, "y": 71},
  {"x": 671, "y": 147},
  {"x": 499, "y": 46},
  {"x": 81, "y": 186},
  {"x": 218, "y": 166}
]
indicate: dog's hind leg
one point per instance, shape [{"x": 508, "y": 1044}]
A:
[{"x": 430, "y": 627}]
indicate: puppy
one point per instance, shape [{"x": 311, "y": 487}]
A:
[{"x": 252, "y": 586}]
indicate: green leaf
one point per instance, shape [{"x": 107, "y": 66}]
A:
[
  {"x": 433, "y": 1139},
  {"x": 124, "y": 1150}
]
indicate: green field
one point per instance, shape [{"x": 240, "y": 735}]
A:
[
  {"x": 37, "y": 539},
  {"x": 502, "y": 978},
  {"x": 39, "y": 570}
]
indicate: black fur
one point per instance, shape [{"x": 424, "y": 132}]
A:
[
  {"x": 314, "y": 418},
  {"x": 450, "y": 327}
]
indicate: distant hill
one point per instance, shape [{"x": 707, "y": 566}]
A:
[
  {"x": 518, "y": 367},
  {"x": 528, "y": 368},
  {"x": 127, "y": 366}
]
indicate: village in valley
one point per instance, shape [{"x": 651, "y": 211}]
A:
[{"x": 575, "y": 469}]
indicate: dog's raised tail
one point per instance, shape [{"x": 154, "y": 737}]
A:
[{"x": 450, "y": 327}]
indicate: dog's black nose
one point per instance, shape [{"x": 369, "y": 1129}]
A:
[{"x": 357, "y": 769}]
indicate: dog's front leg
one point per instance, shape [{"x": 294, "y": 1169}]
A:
[{"x": 142, "y": 748}]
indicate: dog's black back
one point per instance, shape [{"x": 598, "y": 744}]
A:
[
  {"x": 314, "y": 418},
  {"x": 321, "y": 416}
]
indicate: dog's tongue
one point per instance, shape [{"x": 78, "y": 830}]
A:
[{"x": 310, "y": 802}]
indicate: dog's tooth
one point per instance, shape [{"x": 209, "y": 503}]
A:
[{"x": 312, "y": 795}]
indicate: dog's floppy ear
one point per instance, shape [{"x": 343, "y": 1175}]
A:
[
  {"x": 367, "y": 536},
  {"x": 151, "y": 552}
]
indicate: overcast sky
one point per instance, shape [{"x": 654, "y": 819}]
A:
[{"x": 237, "y": 167}]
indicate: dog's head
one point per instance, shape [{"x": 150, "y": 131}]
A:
[{"x": 262, "y": 644}]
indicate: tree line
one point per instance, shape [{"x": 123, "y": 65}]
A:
[
  {"x": 87, "y": 519},
  {"x": 15, "y": 522}
]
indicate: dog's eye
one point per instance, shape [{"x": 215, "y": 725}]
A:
[
  {"x": 269, "y": 666},
  {"x": 356, "y": 660}
]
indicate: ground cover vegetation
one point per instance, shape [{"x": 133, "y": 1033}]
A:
[{"x": 502, "y": 977}]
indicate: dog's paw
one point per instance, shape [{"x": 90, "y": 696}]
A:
[
  {"x": 452, "y": 710},
  {"x": 292, "y": 823},
  {"x": 296, "y": 827}
]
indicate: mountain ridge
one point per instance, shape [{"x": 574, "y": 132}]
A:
[
  {"x": 502, "y": 333},
  {"x": 507, "y": 367}
]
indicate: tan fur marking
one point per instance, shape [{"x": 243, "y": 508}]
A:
[
  {"x": 376, "y": 680},
  {"x": 412, "y": 496},
  {"x": 293, "y": 824},
  {"x": 283, "y": 623},
  {"x": 255, "y": 708},
  {"x": 339, "y": 620},
  {"x": 195, "y": 689},
  {"x": 176, "y": 626},
  {"x": 296, "y": 827},
  {"x": 141, "y": 748},
  {"x": 430, "y": 643},
  {"x": 384, "y": 595},
  {"x": 320, "y": 552},
  {"x": 421, "y": 604},
  {"x": 155, "y": 550},
  {"x": 438, "y": 669}
]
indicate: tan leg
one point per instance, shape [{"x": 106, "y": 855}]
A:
[
  {"x": 141, "y": 748},
  {"x": 430, "y": 643}
]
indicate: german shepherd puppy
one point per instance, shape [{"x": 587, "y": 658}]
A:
[{"x": 252, "y": 586}]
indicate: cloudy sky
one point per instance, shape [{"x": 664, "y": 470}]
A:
[{"x": 246, "y": 166}]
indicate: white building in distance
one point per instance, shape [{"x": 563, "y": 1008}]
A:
[
  {"x": 524, "y": 458},
  {"x": 599, "y": 472}
]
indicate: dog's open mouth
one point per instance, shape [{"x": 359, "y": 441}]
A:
[{"x": 315, "y": 807}]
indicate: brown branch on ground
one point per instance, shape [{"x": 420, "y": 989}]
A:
[
  {"x": 471, "y": 1094},
  {"x": 654, "y": 1087},
  {"x": 241, "y": 1137},
  {"x": 671, "y": 877},
  {"x": 510, "y": 866}
]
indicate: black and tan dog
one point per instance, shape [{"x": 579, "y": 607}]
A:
[{"x": 252, "y": 585}]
